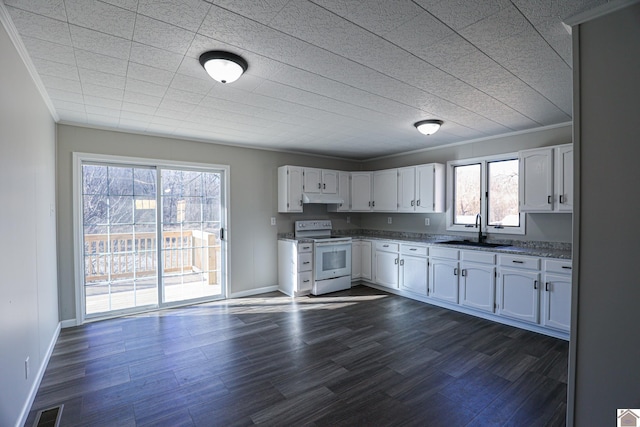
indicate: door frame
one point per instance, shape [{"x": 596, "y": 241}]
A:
[{"x": 78, "y": 260}]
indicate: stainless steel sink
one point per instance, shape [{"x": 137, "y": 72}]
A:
[{"x": 475, "y": 244}]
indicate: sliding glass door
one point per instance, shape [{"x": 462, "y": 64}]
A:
[{"x": 151, "y": 236}]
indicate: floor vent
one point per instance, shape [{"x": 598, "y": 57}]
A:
[{"x": 49, "y": 417}]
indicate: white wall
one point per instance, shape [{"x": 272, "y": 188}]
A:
[
  {"x": 540, "y": 227},
  {"x": 28, "y": 285},
  {"x": 605, "y": 352},
  {"x": 253, "y": 198}
]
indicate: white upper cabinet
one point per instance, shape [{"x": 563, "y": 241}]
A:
[
  {"x": 344, "y": 191},
  {"x": 546, "y": 179},
  {"x": 385, "y": 190},
  {"x": 536, "y": 180},
  {"x": 320, "y": 181},
  {"x": 421, "y": 188},
  {"x": 361, "y": 191},
  {"x": 289, "y": 189},
  {"x": 564, "y": 177}
]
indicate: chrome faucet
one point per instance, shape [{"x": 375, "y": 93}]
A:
[{"x": 481, "y": 238}]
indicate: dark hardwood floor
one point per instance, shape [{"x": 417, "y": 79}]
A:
[{"x": 355, "y": 358}]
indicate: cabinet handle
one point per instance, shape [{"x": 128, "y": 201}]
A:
[
  {"x": 396, "y": 260},
  {"x": 369, "y": 204},
  {"x": 412, "y": 202},
  {"x": 561, "y": 198},
  {"x": 549, "y": 199},
  {"x": 463, "y": 272},
  {"x": 546, "y": 286},
  {"x": 517, "y": 262},
  {"x": 566, "y": 267},
  {"x": 324, "y": 186},
  {"x": 306, "y": 247},
  {"x": 306, "y": 281},
  {"x": 300, "y": 202},
  {"x": 413, "y": 249},
  {"x": 455, "y": 271},
  {"x": 535, "y": 284},
  {"x": 373, "y": 203},
  {"x": 306, "y": 262},
  {"x": 418, "y": 202},
  {"x": 319, "y": 185},
  {"x": 401, "y": 262}
]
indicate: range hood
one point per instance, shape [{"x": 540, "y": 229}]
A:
[{"x": 327, "y": 199}]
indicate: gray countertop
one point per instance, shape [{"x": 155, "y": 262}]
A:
[{"x": 528, "y": 248}]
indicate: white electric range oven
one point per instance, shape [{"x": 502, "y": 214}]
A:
[{"x": 331, "y": 256}]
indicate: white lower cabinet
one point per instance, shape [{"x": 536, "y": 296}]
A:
[
  {"x": 443, "y": 274},
  {"x": 556, "y": 302},
  {"x": 478, "y": 280},
  {"x": 413, "y": 268},
  {"x": 361, "y": 260},
  {"x": 519, "y": 288},
  {"x": 387, "y": 265},
  {"x": 295, "y": 267}
]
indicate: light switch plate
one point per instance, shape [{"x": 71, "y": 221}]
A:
[
  {"x": 273, "y": 220},
  {"x": 389, "y": 220},
  {"x": 426, "y": 222}
]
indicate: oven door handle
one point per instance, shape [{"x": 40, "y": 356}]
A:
[{"x": 324, "y": 244}]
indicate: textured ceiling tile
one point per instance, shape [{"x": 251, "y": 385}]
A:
[
  {"x": 102, "y": 111},
  {"x": 100, "y": 16},
  {"x": 508, "y": 22},
  {"x": 130, "y": 115},
  {"x": 154, "y": 57},
  {"x": 102, "y": 120},
  {"x": 538, "y": 11},
  {"x": 184, "y": 96},
  {"x": 149, "y": 74},
  {"x": 187, "y": 14},
  {"x": 446, "y": 50},
  {"x": 172, "y": 104},
  {"x": 101, "y": 43},
  {"x": 141, "y": 98},
  {"x": 131, "y": 107},
  {"x": 61, "y": 95},
  {"x": 262, "y": 11},
  {"x": 192, "y": 68},
  {"x": 191, "y": 84},
  {"x": 51, "y": 51},
  {"x": 56, "y": 69},
  {"x": 162, "y": 35},
  {"x": 459, "y": 14},
  {"x": 101, "y": 79},
  {"x": 51, "y": 82},
  {"x": 102, "y": 91},
  {"x": 40, "y": 27},
  {"x": 71, "y": 116},
  {"x": 102, "y": 102},
  {"x": 379, "y": 16},
  {"x": 417, "y": 34},
  {"x": 50, "y": 8},
  {"x": 146, "y": 88},
  {"x": 68, "y": 105},
  {"x": 228, "y": 27},
  {"x": 98, "y": 62},
  {"x": 132, "y": 125},
  {"x": 125, "y": 4}
]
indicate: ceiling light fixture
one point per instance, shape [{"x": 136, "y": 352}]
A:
[
  {"x": 428, "y": 127},
  {"x": 225, "y": 67}
]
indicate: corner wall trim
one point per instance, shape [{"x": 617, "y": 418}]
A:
[
  {"x": 36, "y": 384},
  {"x": 252, "y": 292},
  {"x": 69, "y": 323}
]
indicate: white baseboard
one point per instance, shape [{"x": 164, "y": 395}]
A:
[
  {"x": 70, "y": 323},
  {"x": 252, "y": 292},
  {"x": 36, "y": 384}
]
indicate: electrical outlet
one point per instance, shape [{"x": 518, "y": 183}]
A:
[
  {"x": 273, "y": 220},
  {"x": 348, "y": 220},
  {"x": 26, "y": 368},
  {"x": 426, "y": 222},
  {"x": 389, "y": 220}
]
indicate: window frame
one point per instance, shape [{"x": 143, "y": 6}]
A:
[{"x": 484, "y": 205}]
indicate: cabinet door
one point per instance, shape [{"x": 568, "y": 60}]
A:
[
  {"x": 344, "y": 191},
  {"x": 425, "y": 187},
  {"x": 290, "y": 189},
  {"x": 519, "y": 295},
  {"x": 387, "y": 265},
  {"x": 478, "y": 286},
  {"x": 361, "y": 191},
  {"x": 312, "y": 180},
  {"x": 407, "y": 189},
  {"x": 413, "y": 272},
  {"x": 385, "y": 190},
  {"x": 366, "y": 260},
  {"x": 443, "y": 280},
  {"x": 564, "y": 177},
  {"x": 556, "y": 311},
  {"x": 329, "y": 181},
  {"x": 536, "y": 180},
  {"x": 356, "y": 260}
]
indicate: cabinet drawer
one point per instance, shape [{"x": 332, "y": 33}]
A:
[
  {"x": 557, "y": 266},
  {"x": 413, "y": 250},
  {"x": 305, "y": 261},
  {"x": 305, "y": 247},
  {"x": 304, "y": 281},
  {"x": 478, "y": 256},
  {"x": 387, "y": 246},
  {"x": 520, "y": 262},
  {"x": 446, "y": 253}
]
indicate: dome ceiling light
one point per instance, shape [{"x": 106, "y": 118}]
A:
[
  {"x": 428, "y": 127},
  {"x": 225, "y": 67}
]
